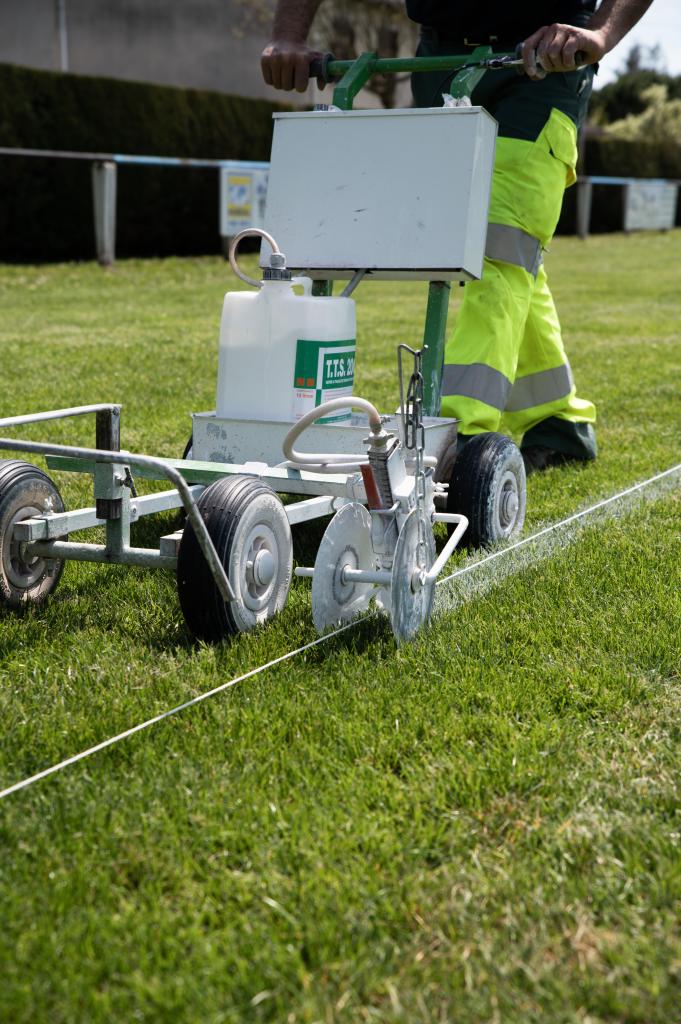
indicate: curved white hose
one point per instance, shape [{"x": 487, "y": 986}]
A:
[
  {"x": 234, "y": 245},
  {"x": 322, "y": 462}
]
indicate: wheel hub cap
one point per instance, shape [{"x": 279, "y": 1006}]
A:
[
  {"x": 260, "y": 567},
  {"x": 21, "y": 571},
  {"x": 509, "y": 507},
  {"x": 264, "y": 568},
  {"x": 508, "y": 504}
]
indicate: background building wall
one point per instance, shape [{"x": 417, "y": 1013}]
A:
[{"x": 204, "y": 44}]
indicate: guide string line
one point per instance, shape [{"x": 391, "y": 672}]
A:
[{"x": 25, "y": 783}]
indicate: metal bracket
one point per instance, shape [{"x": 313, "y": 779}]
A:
[
  {"x": 466, "y": 80},
  {"x": 354, "y": 79}
]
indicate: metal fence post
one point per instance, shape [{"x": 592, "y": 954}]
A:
[
  {"x": 104, "y": 199},
  {"x": 584, "y": 197},
  {"x": 626, "y": 207}
]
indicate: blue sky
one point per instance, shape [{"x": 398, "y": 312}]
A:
[{"x": 660, "y": 24}]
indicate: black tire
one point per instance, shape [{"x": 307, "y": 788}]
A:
[
  {"x": 487, "y": 485},
  {"x": 25, "y": 491},
  {"x": 248, "y": 525}
]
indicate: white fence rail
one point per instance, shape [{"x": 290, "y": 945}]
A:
[
  {"x": 649, "y": 203},
  {"x": 243, "y": 187}
]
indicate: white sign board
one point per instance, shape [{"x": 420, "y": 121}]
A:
[
  {"x": 243, "y": 194},
  {"x": 650, "y": 206}
]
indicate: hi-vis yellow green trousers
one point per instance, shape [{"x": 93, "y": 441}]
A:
[{"x": 505, "y": 364}]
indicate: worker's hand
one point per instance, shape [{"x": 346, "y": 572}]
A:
[
  {"x": 553, "y": 48},
  {"x": 286, "y": 65}
]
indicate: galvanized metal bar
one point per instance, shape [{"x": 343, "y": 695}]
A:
[
  {"x": 118, "y": 530},
  {"x": 170, "y": 544},
  {"x": 380, "y": 576},
  {"x": 49, "y": 527},
  {"x": 286, "y": 481},
  {"x": 141, "y": 462},
  {"x": 313, "y": 508},
  {"x": 434, "y": 335},
  {"x": 72, "y": 551},
  {"x": 461, "y": 524},
  {"x": 58, "y": 414},
  {"x": 353, "y": 283}
]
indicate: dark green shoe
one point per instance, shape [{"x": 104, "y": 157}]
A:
[{"x": 537, "y": 457}]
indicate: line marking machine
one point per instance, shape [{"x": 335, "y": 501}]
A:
[{"x": 349, "y": 199}]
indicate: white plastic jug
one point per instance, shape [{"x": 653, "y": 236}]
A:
[{"x": 282, "y": 354}]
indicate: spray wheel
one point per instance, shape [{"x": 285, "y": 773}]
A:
[
  {"x": 25, "y": 492},
  {"x": 346, "y": 544},
  {"x": 411, "y": 599},
  {"x": 487, "y": 485},
  {"x": 251, "y": 533}
]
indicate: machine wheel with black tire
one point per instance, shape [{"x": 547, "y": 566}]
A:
[
  {"x": 249, "y": 528},
  {"x": 25, "y": 492},
  {"x": 487, "y": 485}
]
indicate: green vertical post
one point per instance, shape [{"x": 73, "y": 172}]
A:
[{"x": 434, "y": 337}]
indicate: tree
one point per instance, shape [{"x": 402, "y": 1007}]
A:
[
  {"x": 639, "y": 58},
  {"x": 659, "y": 122},
  {"x": 380, "y": 26},
  {"x": 345, "y": 28},
  {"x": 643, "y": 66},
  {"x": 625, "y": 95},
  {"x": 251, "y": 17}
]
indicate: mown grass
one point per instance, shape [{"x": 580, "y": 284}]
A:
[{"x": 483, "y": 825}]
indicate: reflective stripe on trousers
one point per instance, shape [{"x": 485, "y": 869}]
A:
[
  {"x": 485, "y": 384},
  {"x": 513, "y": 245}
]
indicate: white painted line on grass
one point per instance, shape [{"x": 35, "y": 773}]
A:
[
  {"x": 466, "y": 570},
  {"x": 166, "y": 714},
  {"x": 543, "y": 543}
]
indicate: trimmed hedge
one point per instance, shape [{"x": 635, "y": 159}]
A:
[{"x": 46, "y": 205}]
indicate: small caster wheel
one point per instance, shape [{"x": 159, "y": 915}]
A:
[
  {"x": 487, "y": 486},
  {"x": 411, "y": 598},
  {"x": 251, "y": 533},
  {"x": 25, "y": 492},
  {"x": 346, "y": 544}
]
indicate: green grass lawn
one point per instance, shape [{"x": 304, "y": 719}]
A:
[{"x": 483, "y": 825}]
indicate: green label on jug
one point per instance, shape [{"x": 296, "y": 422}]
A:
[{"x": 323, "y": 370}]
